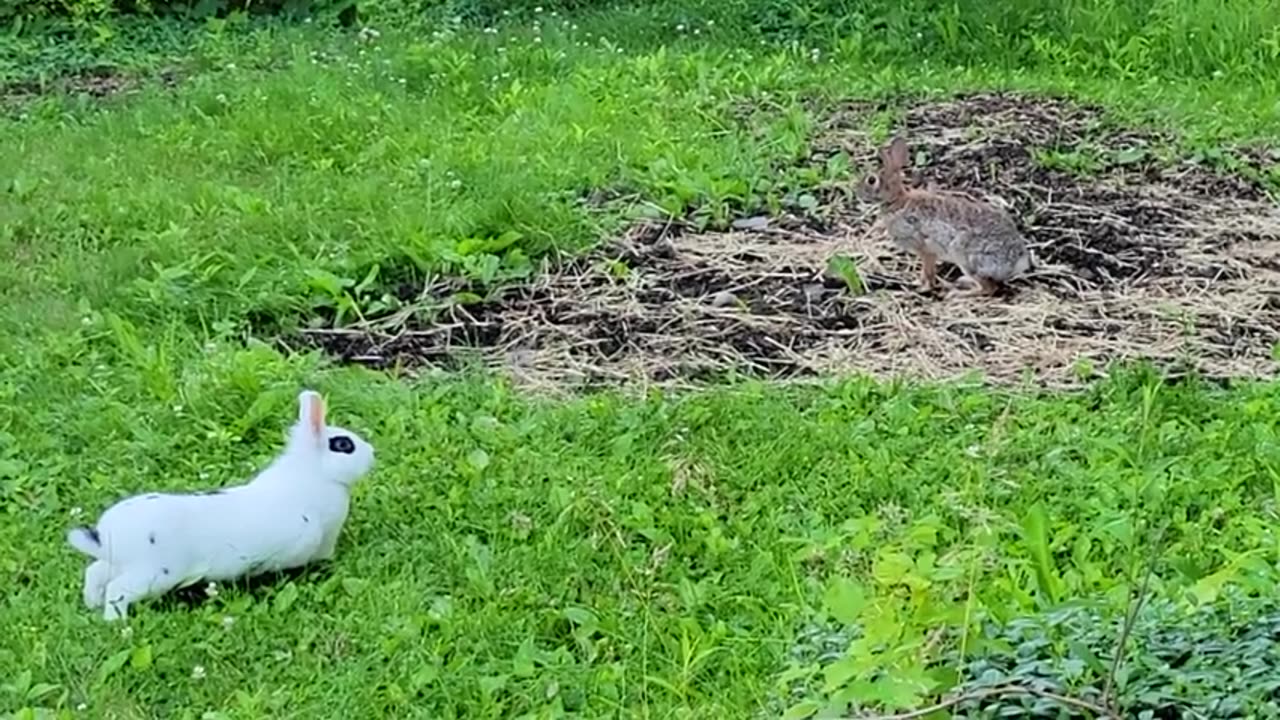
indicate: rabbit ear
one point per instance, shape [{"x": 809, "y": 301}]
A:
[
  {"x": 895, "y": 153},
  {"x": 311, "y": 412}
]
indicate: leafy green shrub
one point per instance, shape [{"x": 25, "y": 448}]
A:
[
  {"x": 1213, "y": 661},
  {"x": 35, "y": 10},
  {"x": 1216, "y": 660},
  {"x": 19, "y": 11}
]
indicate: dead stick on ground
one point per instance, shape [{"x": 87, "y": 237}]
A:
[{"x": 1098, "y": 710}]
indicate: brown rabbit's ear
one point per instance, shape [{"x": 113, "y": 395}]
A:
[
  {"x": 311, "y": 411},
  {"x": 895, "y": 153}
]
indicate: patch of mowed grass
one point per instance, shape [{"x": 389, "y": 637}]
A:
[
  {"x": 244, "y": 187},
  {"x": 1133, "y": 38},
  {"x": 611, "y": 554}
]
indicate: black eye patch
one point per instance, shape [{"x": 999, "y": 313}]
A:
[{"x": 342, "y": 444}]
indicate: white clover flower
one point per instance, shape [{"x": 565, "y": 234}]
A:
[{"x": 197, "y": 672}]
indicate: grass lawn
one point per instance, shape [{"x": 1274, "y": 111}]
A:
[{"x": 635, "y": 550}]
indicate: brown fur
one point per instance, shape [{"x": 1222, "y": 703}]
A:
[{"x": 979, "y": 238}]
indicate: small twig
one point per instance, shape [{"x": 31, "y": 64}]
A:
[{"x": 985, "y": 693}]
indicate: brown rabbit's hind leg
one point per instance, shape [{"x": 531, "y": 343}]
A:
[{"x": 981, "y": 286}]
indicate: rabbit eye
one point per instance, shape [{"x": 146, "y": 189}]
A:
[
  {"x": 872, "y": 180},
  {"x": 342, "y": 444}
]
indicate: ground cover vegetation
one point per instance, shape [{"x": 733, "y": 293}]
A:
[{"x": 660, "y": 433}]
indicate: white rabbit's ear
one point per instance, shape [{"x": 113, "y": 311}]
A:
[
  {"x": 895, "y": 154},
  {"x": 311, "y": 412}
]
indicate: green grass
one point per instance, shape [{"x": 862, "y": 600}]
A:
[
  {"x": 265, "y": 190},
  {"x": 642, "y": 555},
  {"x": 616, "y": 554}
]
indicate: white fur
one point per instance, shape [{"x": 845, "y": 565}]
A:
[{"x": 289, "y": 515}]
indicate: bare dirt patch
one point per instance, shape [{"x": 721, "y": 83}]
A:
[
  {"x": 99, "y": 83},
  {"x": 1166, "y": 261}
]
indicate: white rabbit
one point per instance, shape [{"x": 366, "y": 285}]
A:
[{"x": 287, "y": 516}]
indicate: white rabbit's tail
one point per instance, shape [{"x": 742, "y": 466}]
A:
[{"x": 86, "y": 540}]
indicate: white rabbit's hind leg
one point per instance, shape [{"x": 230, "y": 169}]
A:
[
  {"x": 133, "y": 585},
  {"x": 328, "y": 546},
  {"x": 96, "y": 577}
]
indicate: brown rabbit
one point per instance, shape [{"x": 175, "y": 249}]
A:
[{"x": 979, "y": 238}]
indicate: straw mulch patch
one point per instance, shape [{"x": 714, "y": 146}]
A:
[{"x": 1170, "y": 262}]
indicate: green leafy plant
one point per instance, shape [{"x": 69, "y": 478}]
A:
[
  {"x": 1187, "y": 660},
  {"x": 845, "y": 268},
  {"x": 83, "y": 10}
]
